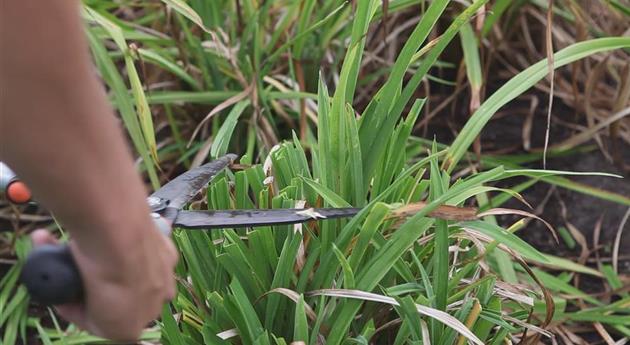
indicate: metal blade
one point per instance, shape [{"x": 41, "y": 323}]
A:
[
  {"x": 184, "y": 187},
  {"x": 252, "y": 218}
]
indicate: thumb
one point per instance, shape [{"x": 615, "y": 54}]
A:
[{"x": 41, "y": 237}]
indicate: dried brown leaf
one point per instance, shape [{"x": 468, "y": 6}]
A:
[
  {"x": 549, "y": 46},
  {"x": 443, "y": 212},
  {"x": 295, "y": 297},
  {"x": 223, "y": 105},
  {"x": 438, "y": 315}
]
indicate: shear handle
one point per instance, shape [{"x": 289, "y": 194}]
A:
[{"x": 52, "y": 276}]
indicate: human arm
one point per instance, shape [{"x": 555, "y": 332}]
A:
[{"x": 59, "y": 133}]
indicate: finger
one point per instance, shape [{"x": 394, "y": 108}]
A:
[
  {"x": 73, "y": 312},
  {"x": 172, "y": 258},
  {"x": 171, "y": 290},
  {"x": 76, "y": 314},
  {"x": 70, "y": 312},
  {"x": 172, "y": 251},
  {"x": 40, "y": 237}
]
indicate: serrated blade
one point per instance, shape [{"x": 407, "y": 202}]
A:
[
  {"x": 253, "y": 218},
  {"x": 179, "y": 191}
]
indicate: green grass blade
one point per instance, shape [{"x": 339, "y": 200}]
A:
[
  {"x": 300, "y": 325},
  {"x": 160, "y": 60},
  {"x": 521, "y": 83},
  {"x": 502, "y": 236},
  {"x": 470, "y": 47},
  {"x": 112, "y": 78},
  {"x": 185, "y": 10},
  {"x": 137, "y": 90},
  {"x": 222, "y": 138}
]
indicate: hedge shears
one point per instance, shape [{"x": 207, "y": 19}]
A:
[{"x": 50, "y": 273}]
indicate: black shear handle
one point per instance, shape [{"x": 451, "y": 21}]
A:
[{"x": 51, "y": 275}]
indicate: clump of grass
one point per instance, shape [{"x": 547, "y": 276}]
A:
[
  {"x": 313, "y": 283},
  {"x": 13, "y": 297}
]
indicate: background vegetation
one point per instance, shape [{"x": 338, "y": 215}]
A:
[{"x": 381, "y": 105}]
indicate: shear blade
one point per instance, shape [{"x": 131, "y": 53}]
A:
[
  {"x": 253, "y": 218},
  {"x": 179, "y": 191}
]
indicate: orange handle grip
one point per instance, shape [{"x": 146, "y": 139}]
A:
[
  {"x": 14, "y": 189},
  {"x": 18, "y": 192}
]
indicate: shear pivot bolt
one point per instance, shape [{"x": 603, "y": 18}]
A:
[{"x": 155, "y": 203}]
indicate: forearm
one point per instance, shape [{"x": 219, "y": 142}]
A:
[{"x": 67, "y": 144}]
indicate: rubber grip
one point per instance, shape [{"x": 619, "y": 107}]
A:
[{"x": 51, "y": 275}]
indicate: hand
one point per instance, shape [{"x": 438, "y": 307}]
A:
[{"x": 123, "y": 293}]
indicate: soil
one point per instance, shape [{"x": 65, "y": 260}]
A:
[{"x": 584, "y": 211}]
